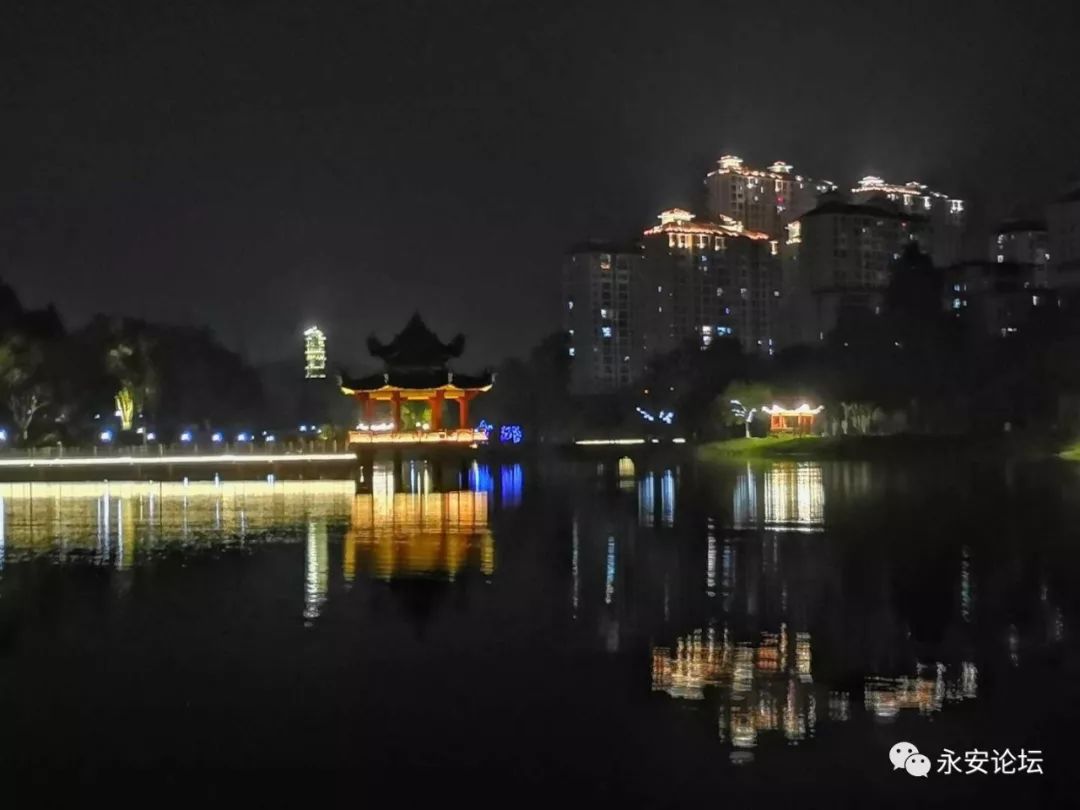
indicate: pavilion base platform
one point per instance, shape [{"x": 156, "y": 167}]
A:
[{"x": 445, "y": 454}]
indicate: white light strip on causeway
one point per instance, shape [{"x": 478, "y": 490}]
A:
[{"x": 158, "y": 460}]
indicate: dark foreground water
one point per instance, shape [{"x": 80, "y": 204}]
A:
[{"x": 646, "y": 637}]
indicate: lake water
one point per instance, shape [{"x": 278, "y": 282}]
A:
[{"x": 666, "y": 636}]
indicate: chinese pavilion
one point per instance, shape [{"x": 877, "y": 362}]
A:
[
  {"x": 416, "y": 369},
  {"x": 799, "y": 421}
]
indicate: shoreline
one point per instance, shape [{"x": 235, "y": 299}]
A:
[{"x": 900, "y": 446}]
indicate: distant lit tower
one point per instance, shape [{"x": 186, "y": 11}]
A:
[
  {"x": 764, "y": 200},
  {"x": 314, "y": 354}
]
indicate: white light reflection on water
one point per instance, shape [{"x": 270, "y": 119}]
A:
[
  {"x": 119, "y": 522},
  {"x": 317, "y": 570},
  {"x": 788, "y": 495}
]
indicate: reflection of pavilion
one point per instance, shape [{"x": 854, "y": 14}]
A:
[
  {"x": 787, "y": 495},
  {"x": 429, "y": 534}
]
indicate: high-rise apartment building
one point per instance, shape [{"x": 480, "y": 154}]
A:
[
  {"x": 1063, "y": 231},
  {"x": 946, "y": 215},
  {"x": 314, "y": 354},
  {"x": 1020, "y": 242},
  {"x": 704, "y": 279},
  {"x": 838, "y": 258},
  {"x": 606, "y": 343},
  {"x": 763, "y": 200}
]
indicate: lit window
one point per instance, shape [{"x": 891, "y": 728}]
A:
[
  {"x": 605, "y": 331},
  {"x": 570, "y": 304},
  {"x": 1000, "y": 258},
  {"x": 603, "y": 313},
  {"x": 571, "y": 350},
  {"x": 957, "y": 303}
]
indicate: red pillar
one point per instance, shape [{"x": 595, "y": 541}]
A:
[
  {"x": 395, "y": 410},
  {"x": 436, "y": 403},
  {"x": 463, "y": 410}
]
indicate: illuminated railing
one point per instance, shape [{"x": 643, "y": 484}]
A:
[{"x": 458, "y": 436}]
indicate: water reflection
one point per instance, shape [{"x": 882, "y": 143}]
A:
[
  {"x": 428, "y": 534},
  {"x": 788, "y": 495},
  {"x": 763, "y": 572},
  {"x": 114, "y": 523},
  {"x": 766, "y": 686},
  {"x": 415, "y": 533}
]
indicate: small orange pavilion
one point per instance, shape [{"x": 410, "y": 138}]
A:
[{"x": 416, "y": 368}]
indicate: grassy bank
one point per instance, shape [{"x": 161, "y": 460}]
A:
[
  {"x": 1071, "y": 452},
  {"x": 904, "y": 445}
]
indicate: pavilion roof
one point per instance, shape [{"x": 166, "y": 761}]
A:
[
  {"x": 420, "y": 379},
  {"x": 416, "y": 347}
]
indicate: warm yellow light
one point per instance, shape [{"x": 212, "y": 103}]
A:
[{"x": 459, "y": 436}]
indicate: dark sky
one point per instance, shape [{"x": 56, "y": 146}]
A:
[{"x": 261, "y": 166}]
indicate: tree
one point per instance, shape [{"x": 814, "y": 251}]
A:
[
  {"x": 740, "y": 401},
  {"x": 129, "y": 361},
  {"x": 26, "y": 392}
]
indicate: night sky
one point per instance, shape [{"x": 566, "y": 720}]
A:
[{"x": 261, "y": 166}]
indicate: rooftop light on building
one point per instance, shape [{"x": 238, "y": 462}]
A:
[{"x": 675, "y": 215}]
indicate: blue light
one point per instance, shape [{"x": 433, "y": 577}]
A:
[
  {"x": 480, "y": 479},
  {"x": 510, "y": 475},
  {"x": 151, "y": 437},
  {"x": 648, "y": 417},
  {"x": 269, "y": 438},
  {"x": 511, "y": 434},
  {"x": 484, "y": 427},
  {"x": 106, "y": 436},
  {"x": 185, "y": 436},
  {"x": 243, "y": 437},
  {"x": 303, "y": 428},
  {"x": 3, "y": 435},
  {"x": 217, "y": 437}
]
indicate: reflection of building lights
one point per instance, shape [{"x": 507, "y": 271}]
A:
[
  {"x": 601, "y": 442},
  {"x": 887, "y": 697},
  {"x": 667, "y": 498},
  {"x": 609, "y": 572}
]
